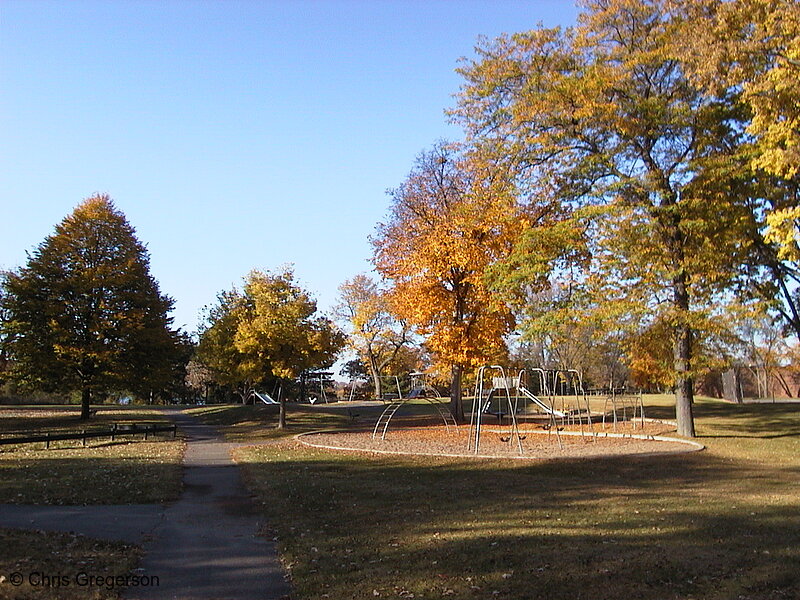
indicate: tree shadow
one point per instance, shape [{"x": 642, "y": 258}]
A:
[
  {"x": 673, "y": 526},
  {"x": 745, "y": 420},
  {"x": 88, "y": 480}
]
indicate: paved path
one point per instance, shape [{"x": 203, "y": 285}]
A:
[
  {"x": 131, "y": 523},
  {"x": 206, "y": 547},
  {"x": 202, "y": 547}
]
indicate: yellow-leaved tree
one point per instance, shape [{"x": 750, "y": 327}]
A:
[
  {"x": 376, "y": 335},
  {"x": 448, "y": 224},
  {"x": 751, "y": 48},
  {"x": 269, "y": 332},
  {"x": 601, "y": 118},
  {"x": 748, "y": 53}
]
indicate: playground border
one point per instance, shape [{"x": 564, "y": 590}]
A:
[{"x": 694, "y": 446}]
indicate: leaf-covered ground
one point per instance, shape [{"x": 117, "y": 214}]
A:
[
  {"x": 123, "y": 472},
  {"x": 127, "y": 471}
]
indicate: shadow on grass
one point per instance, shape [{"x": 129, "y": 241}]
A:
[
  {"x": 258, "y": 422},
  {"x": 36, "y": 553},
  {"x": 82, "y": 479},
  {"x": 689, "y": 526},
  {"x": 750, "y": 420}
]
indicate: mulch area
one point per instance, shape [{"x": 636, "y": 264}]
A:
[{"x": 496, "y": 441}]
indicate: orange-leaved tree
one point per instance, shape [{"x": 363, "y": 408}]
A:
[{"x": 449, "y": 222}]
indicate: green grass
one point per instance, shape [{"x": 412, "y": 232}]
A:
[
  {"x": 122, "y": 472},
  {"x": 62, "y": 557},
  {"x": 717, "y": 525}
]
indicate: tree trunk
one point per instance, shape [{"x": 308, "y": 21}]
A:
[
  {"x": 682, "y": 357},
  {"x": 682, "y": 341},
  {"x": 376, "y": 378},
  {"x": 86, "y": 399},
  {"x": 456, "y": 407},
  {"x": 282, "y": 410}
]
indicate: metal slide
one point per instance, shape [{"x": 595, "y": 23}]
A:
[
  {"x": 549, "y": 410},
  {"x": 265, "y": 397}
]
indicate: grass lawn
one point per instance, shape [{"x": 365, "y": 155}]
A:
[
  {"x": 62, "y": 557},
  {"x": 253, "y": 423},
  {"x": 719, "y": 524},
  {"x": 18, "y": 419},
  {"x": 122, "y": 472}
]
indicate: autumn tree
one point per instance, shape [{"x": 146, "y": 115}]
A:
[
  {"x": 269, "y": 331},
  {"x": 562, "y": 330},
  {"x": 85, "y": 314},
  {"x": 375, "y": 334},
  {"x": 748, "y": 51},
  {"x": 602, "y": 118},
  {"x": 447, "y": 224},
  {"x": 751, "y": 48},
  {"x": 216, "y": 349}
]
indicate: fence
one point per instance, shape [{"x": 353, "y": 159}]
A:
[{"x": 118, "y": 430}]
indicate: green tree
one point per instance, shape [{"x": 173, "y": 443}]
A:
[
  {"x": 84, "y": 312},
  {"x": 602, "y": 116},
  {"x": 375, "y": 334},
  {"x": 5, "y": 331}
]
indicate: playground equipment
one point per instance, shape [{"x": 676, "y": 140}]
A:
[
  {"x": 482, "y": 402},
  {"x": 627, "y": 403},
  {"x": 544, "y": 404},
  {"x": 263, "y": 397},
  {"x": 309, "y": 380},
  {"x": 357, "y": 389},
  {"x": 420, "y": 388},
  {"x": 390, "y": 382},
  {"x": 557, "y": 393},
  {"x": 566, "y": 398}
]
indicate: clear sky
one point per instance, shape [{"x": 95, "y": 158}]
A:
[{"x": 233, "y": 135}]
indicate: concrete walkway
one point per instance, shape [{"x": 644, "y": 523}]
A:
[
  {"x": 204, "y": 546},
  {"x": 131, "y": 523}
]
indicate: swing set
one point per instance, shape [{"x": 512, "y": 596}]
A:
[{"x": 557, "y": 393}]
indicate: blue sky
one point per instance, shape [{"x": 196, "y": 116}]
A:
[{"x": 233, "y": 135}]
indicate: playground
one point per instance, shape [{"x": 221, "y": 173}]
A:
[
  {"x": 434, "y": 440},
  {"x": 711, "y": 525},
  {"x": 531, "y": 414}
]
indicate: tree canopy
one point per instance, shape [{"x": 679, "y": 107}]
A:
[
  {"x": 447, "y": 225},
  {"x": 269, "y": 331},
  {"x": 604, "y": 119},
  {"x": 85, "y": 313},
  {"x": 376, "y": 334}
]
